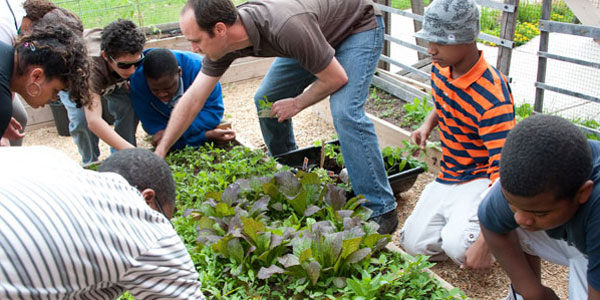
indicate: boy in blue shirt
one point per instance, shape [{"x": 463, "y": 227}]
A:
[
  {"x": 156, "y": 87},
  {"x": 547, "y": 205}
]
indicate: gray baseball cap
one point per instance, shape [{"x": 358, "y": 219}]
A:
[{"x": 450, "y": 22}]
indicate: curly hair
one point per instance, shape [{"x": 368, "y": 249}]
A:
[
  {"x": 61, "y": 54},
  {"x": 60, "y": 15},
  {"x": 36, "y": 9},
  {"x": 122, "y": 37},
  {"x": 545, "y": 154},
  {"x": 210, "y": 12}
]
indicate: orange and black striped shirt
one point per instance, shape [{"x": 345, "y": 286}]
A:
[{"x": 475, "y": 113}]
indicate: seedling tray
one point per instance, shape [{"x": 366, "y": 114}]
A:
[{"x": 310, "y": 157}]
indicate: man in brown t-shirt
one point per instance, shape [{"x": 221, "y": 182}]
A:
[{"x": 331, "y": 45}]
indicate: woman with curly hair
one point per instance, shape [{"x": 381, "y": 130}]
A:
[{"x": 43, "y": 62}]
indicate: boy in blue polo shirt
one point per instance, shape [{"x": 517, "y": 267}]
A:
[
  {"x": 547, "y": 205},
  {"x": 156, "y": 87}
]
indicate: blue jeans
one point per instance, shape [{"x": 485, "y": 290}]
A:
[
  {"x": 359, "y": 55},
  {"x": 119, "y": 107}
]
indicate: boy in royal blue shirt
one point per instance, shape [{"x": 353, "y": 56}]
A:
[
  {"x": 547, "y": 205},
  {"x": 156, "y": 87}
]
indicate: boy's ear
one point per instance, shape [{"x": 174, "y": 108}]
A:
[
  {"x": 149, "y": 196},
  {"x": 584, "y": 192},
  {"x": 104, "y": 55}
]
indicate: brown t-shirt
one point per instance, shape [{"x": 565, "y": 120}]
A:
[
  {"x": 307, "y": 30},
  {"x": 103, "y": 80}
]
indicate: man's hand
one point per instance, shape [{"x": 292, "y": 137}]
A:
[
  {"x": 13, "y": 130},
  {"x": 157, "y": 137},
  {"x": 4, "y": 142},
  {"x": 285, "y": 109},
  {"x": 478, "y": 257},
  {"x": 221, "y": 135}
]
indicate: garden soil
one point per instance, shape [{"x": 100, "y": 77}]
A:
[{"x": 241, "y": 112}]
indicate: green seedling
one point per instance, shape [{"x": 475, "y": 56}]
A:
[{"x": 264, "y": 108}]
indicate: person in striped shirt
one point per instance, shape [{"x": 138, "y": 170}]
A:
[
  {"x": 474, "y": 111},
  {"x": 71, "y": 233}
]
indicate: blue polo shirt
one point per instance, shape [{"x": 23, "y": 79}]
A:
[
  {"x": 154, "y": 114},
  {"x": 582, "y": 231}
]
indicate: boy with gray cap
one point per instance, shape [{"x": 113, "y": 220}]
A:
[{"x": 474, "y": 111}]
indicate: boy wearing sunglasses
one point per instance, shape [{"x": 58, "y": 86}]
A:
[
  {"x": 121, "y": 52},
  {"x": 115, "y": 50}
]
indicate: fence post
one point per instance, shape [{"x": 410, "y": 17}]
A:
[
  {"x": 542, "y": 61},
  {"x": 507, "y": 32},
  {"x": 387, "y": 20},
  {"x": 140, "y": 16},
  {"x": 418, "y": 7}
]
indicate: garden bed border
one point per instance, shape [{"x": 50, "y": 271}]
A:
[{"x": 388, "y": 134}]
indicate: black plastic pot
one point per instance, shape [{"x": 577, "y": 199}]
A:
[
  {"x": 61, "y": 119},
  {"x": 310, "y": 157}
]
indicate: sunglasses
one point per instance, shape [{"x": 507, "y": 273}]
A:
[{"x": 127, "y": 65}]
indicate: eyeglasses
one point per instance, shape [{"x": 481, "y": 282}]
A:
[
  {"x": 127, "y": 65},
  {"x": 161, "y": 210}
]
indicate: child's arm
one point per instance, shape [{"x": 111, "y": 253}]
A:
[
  {"x": 514, "y": 261},
  {"x": 419, "y": 136},
  {"x": 93, "y": 115}
]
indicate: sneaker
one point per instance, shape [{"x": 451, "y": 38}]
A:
[
  {"x": 388, "y": 222},
  {"x": 512, "y": 295}
]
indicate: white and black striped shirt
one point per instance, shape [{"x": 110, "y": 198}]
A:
[{"x": 69, "y": 233}]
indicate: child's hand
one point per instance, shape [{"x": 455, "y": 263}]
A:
[
  {"x": 157, "y": 137},
  {"x": 419, "y": 137},
  {"x": 221, "y": 135}
]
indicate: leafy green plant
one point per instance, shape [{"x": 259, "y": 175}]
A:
[
  {"x": 523, "y": 111},
  {"x": 199, "y": 171},
  {"x": 397, "y": 159},
  {"x": 271, "y": 220},
  {"x": 589, "y": 123},
  {"x": 407, "y": 280},
  {"x": 264, "y": 108},
  {"x": 416, "y": 112}
]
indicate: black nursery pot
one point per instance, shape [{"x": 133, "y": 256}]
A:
[{"x": 310, "y": 157}]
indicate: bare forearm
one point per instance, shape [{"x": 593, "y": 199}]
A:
[
  {"x": 332, "y": 78},
  {"x": 514, "y": 261},
  {"x": 318, "y": 91},
  {"x": 106, "y": 133},
  {"x": 100, "y": 128},
  {"x": 431, "y": 121}
]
